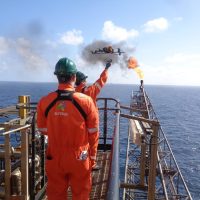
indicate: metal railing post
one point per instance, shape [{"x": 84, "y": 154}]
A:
[
  {"x": 7, "y": 167},
  {"x": 114, "y": 182},
  {"x": 25, "y": 164}
]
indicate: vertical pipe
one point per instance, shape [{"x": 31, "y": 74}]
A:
[
  {"x": 153, "y": 164},
  {"x": 43, "y": 181},
  {"x": 142, "y": 164},
  {"x": 143, "y": 145},
  {"x": 105, "y": 125},
  {"x": 7, "y": 166},
  {"x": 24, "y": 164},
  {"x": 32, "y": 192}
]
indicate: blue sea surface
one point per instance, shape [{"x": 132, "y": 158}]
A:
[{"x": 177, "y": 107}]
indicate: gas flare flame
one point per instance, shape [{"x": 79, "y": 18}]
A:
[{"x": 133, "y": 64}]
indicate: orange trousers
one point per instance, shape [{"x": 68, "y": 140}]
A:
[{"x": 67, "y": 170}]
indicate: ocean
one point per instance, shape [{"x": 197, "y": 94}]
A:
[{"x": 177, "y": 108}]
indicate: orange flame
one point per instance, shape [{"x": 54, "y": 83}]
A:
[{"x": 133, "y": 64}]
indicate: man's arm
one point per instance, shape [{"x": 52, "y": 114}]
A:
[{"x": 94, "y": 89}]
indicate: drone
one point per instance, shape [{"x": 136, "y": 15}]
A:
[{"x": 107, "y": 50}]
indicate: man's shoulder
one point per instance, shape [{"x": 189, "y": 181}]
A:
[{"x": 48, "y": 97}]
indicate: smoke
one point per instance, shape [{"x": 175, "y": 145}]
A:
[
  {"x": 92, "y": 59},
  {"x": 35, "y": 29},
  {"x": 27, "y": 45}
]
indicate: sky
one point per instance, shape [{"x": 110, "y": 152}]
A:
[{"x": 163, "y": 35}]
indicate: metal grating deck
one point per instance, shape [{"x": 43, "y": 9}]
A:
[{"x": 100, "y": 177}]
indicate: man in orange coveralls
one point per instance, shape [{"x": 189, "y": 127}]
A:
[
  {"x": 70, "y": 121},
  {"x": 92, "y": 90}
]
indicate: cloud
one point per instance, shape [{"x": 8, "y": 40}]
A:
[
  {"x": 156, "y": 25},
  {"x": 3, "y": 65},
  {"x": 184, "y": 59},
  {"x": 31, "y": 59},
  {"x": 116, "y": 33},
  {"x": 4, "y": 45},
  {"x": 178, "y": 19},
  {"x": 178, "y": 69},
  {"x": 80, "y": 62},
  {"x": 73, "y": 37}
]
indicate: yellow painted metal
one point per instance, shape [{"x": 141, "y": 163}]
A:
[{"x": 24, "y": 100}]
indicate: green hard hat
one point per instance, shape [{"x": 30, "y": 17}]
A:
[
  {"x": 64, "y": 67},
  {"x": 80, "y": 77}
]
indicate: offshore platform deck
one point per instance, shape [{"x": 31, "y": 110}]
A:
[{"x": 151, "y": 171}]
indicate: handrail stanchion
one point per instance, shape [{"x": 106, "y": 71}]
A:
[
  {"x": 114, "y": 182},
  {"x": 105, "y": 125},
  {"x": 25, "y": 164}
]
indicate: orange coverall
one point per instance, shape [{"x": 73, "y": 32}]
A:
[
  {"x": 70, "y": 137},
  {"x": 93, "y": 91}
]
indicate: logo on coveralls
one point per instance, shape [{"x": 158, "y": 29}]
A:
[{"x": 61, "y": 107}]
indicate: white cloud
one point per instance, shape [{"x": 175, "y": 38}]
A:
[
  {"x": 178, "y": 19},
  {"x": 178, "y": 69},
  {"x": 184, "y": 59},
  {"x": 73, "y": 37},
  {"x": 3, "y": 65},
  {"x": 116, "y": 33},
  {"x": 4, "y": 45},
  {"x": 52, "y": 44},
  {"x": 80, "y": 62},
  {"x": 31, "y": 59},
  {"x": 155, "y": 25}
]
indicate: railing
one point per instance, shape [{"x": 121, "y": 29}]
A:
[
  {"x": 22, "y": 149},
  {"x": 169, "y": 182},
  {"x": 173, "y": 183},
  {"x": 13, "y": 160},
  {"x": 35, "y": 185},
  {"x": 106, "y": 105},
  {"x": 114, "y": 184}
]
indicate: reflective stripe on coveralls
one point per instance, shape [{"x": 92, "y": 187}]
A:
[
  {"x": 92, "y": 130},
  {"x": 68, "y": 144}
]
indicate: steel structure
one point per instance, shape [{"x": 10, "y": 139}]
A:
[{"x": 148, "y": 148}]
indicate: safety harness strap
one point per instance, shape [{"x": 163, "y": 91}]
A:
[{"x": 66, "y": 96}]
